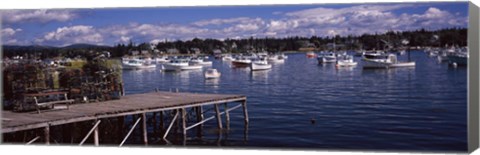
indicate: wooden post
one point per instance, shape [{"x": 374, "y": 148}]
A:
[
  {"x": 245, "y": 112},
  {"x": 46, "y": 132},
  {"x": 95, "y": 136},
  {"x": 227, "y": 116},
  {"x": 120, "y": 126},
  {"x": 154, "y": 124},
  {"x": 73, "y": 132},
  {"x": 200, "y": 118},
  {"x": 184, "y": 125},
  {"x": 144, "y": 129},
  {"x": 219, "y": 118},
  {"x": 162, "y": 126}
]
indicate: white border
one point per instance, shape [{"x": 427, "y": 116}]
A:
[
  {"x": 36, "y": 4},
  {"x": 41, "y": 4}
]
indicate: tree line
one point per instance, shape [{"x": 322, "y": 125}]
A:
[{"x": 388, "y": 40}]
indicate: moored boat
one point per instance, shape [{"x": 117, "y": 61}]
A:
[
  {"x": 241, "y": 62},
  {"x": 276, "y": 59},
  {"x": 378, "y": 60},
  {"x": 137, "y": 64},
  {"x": 260, "y": 64},
  {"x": 310, "y": 55},
  {"x": 326, "y": 57},
  {"x": 212, "y": 73},
  {"x": 346, "y": 61},
  {"x": 199, "y": 61},
  {"x": 179, "y": 65}
]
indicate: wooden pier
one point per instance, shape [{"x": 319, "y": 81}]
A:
[{"x": 130, "y": 105}]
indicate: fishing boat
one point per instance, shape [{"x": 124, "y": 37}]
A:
[
  {"x": 137, "y": 64},
  {"x": 459, "y": 58},
  {"x": 162, "y": 59},
  {"x": 260, "y": 64},
  {"x": 326, "y": 57},
  {"x": 276, "y": 59},
  {"x": 379, "y": 60},
  {"x": 310, "y": 55},
  {"x": 179, "y": 65},
  {"x": 199, "y": 61},
  {"x": 346, "y": 61},
  {"x": 241, "y": 62},
  {"x": 212, "y": 74},
  {"x": 227, "y": 58}
]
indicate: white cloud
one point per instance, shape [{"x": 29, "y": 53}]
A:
[
  {"x": 239, "y": 20},
  {"x": 40, "y": 16},
  {"x": 318, "y": 21},
  {"x": 8, "y": 35},
  {"x": 71, "y": 35}
]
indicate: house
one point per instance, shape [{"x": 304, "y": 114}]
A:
[
  {"x": 172, "y": 51},
  {"x": 195, "y": 51}
]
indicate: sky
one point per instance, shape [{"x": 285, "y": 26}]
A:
[{"x": 110, "y": 26}]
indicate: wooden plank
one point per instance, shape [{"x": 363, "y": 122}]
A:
[{"x": 128, "y": 105}]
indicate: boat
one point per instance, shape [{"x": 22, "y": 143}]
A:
[
  {"x": 212, "y": 74},
  {"x": 241, "y": 62},
  {"x": 310, "y": 55},
  {"x": 227, "y": 58},
  {"x": 179, "y": 65},
  {"x": 276, "y": 59},
  {"x": 137, "y": 64},
  {"x": 346, "y": 61},
  {"x": 326, "y": 57},
  {"x": 260, "y": 64},
  {"x": 162, "y": 59},
  {"x": 459, "y": 58},
  {"x": 379, "y": 60},
  {"x": 199, "y": 61}
]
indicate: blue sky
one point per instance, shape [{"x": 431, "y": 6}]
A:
[{"x": 120, "y": 25}]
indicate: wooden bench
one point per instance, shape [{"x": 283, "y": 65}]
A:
[{"x": 36, "y": 97}]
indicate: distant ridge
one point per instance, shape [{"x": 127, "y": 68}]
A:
[
  {"x": 41, "y": 47},
  {"x": 74, "y": 46}
]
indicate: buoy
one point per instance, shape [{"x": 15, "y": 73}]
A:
[
  {"x": 312, "y": 120},
  {"x": 454, "y": 65}
]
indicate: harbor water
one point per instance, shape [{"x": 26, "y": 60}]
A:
[{"x": 301, "y": 104}]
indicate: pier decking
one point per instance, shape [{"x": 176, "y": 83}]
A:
[{"x": 127, "y": 105}]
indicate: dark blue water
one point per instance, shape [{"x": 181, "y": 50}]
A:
[{"x": 420, "y": 108}]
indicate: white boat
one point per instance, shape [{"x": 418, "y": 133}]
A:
[
  {"x": 260, "y": 64},
  {"x": 378, "y": 60},
  {"x": 310, "y": 55},
  {"x": 241, "y": 62},
  {"x": 326, "y": 57},
  {"x": 199, "y": 61},
  {"x": 137, "y": 64},
  {"x": 459, "y": 58},
  {"x": 227, "y": 58},
  {"x": 161, "y": 59},
  {"x": 212, "y": 74},
  {"x": 179, "y": 65},
  {"x": 276, "y": 59},
  {"x": 346, "y": 61}
]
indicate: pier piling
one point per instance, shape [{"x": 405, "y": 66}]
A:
[
  {"x": 219, "y": 118},
  {"x": 144, "y": 129}
]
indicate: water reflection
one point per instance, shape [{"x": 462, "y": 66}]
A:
[
  {"x": 215, "y": 82},
  {"x": 260, "y": 75}
]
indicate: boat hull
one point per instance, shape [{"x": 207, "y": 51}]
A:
[
  {"x": 257, "y": 67},
  {"x": 240, "y": 64},
  {"x": 169, "y": 67}
]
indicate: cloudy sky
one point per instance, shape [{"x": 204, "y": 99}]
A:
[{"x": 120, "y": 25}]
